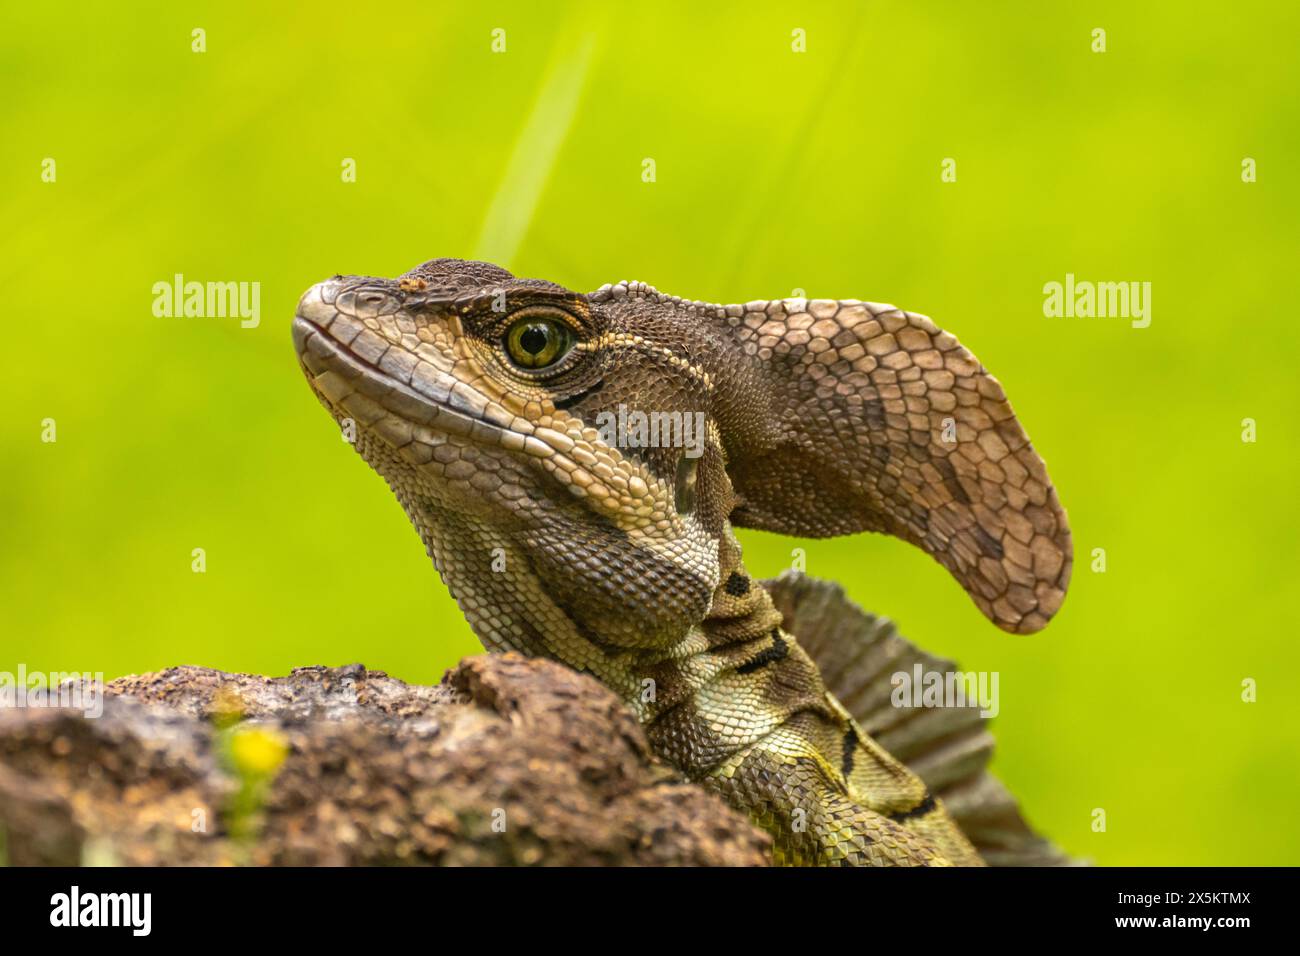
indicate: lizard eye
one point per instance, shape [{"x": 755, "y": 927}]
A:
[{"x": 537, "y": 342}]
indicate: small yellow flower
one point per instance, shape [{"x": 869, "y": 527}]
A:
[{"x": 257, "y": 752}]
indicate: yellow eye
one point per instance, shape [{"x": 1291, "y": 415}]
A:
[{"x": 537, "y": 342}]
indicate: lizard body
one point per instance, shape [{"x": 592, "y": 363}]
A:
[{"x": 494, "y": 408}]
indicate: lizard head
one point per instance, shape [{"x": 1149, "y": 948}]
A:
[
  {"x": 491, "y": 406},
  {"x": 573, "y": 462}
]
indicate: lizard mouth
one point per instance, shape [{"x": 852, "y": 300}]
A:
[
  {"x": 421, "y": 410},
  {"x": 414, "y": 413},
  {"x": 353, "y": 387}
]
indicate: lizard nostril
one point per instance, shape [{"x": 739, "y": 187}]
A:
[{"x": 368, "y": 303}]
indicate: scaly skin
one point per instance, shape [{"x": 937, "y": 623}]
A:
[{"x": 560, "y": 539}]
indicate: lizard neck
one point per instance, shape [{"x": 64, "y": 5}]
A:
[
  {"x": 736, "y": 678},
  {"x": 513, "y": 604}
]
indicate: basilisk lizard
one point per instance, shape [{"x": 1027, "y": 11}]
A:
[{"x": 483, "y": 401}]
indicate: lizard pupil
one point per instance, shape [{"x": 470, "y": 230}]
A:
[
  {"x": 534, "y": 339},
  {"x": 537, "y": 343}
]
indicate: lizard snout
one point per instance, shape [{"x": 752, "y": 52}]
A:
[{"x": 316, "y": 305}]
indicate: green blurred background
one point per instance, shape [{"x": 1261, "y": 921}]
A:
[{"x": 775, "y": 171}]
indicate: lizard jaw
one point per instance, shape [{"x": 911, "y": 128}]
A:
[
  {"x": 413, "y": 420},
  {"x": 355, "y": 373},
  {"x": 352, "y": 387}
]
